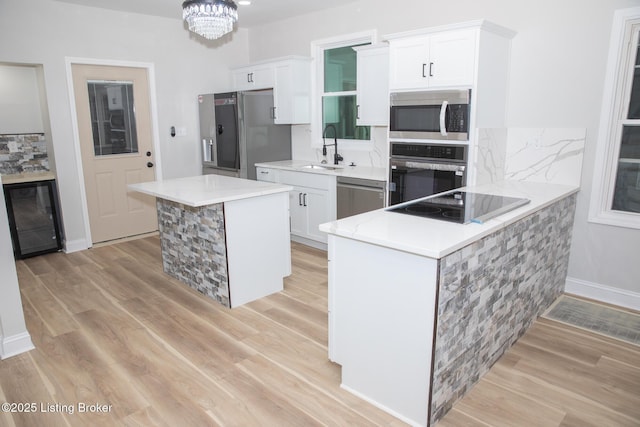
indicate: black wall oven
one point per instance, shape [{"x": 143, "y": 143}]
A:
[
  {"x": 436, "y": 115},
  {"x": 419, "y": 169}
]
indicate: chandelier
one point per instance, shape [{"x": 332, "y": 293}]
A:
[{"x": 210, "y": 18}]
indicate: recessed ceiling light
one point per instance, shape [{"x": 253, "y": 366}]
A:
[{"x": 244, "y": 2}]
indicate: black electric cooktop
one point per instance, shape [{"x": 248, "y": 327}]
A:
[{"x": 461, "y": 206}]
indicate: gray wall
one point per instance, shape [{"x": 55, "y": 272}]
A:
[{"x": 557, "y": 76}]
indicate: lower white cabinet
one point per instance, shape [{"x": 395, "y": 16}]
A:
[
  {"x": 311, "y": 202},
  {"x": 267, "y": 174},
  {"x": 309, "y": 207}
]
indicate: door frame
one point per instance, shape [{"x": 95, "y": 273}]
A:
[{"x": 155, "y": 132}]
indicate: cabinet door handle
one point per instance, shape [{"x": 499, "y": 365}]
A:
[
  {"x": 357, "y": 112},
  {"x": 305, "y": 200},
  {"x": 248, "y": 77},
  {"x": 423, "y": 72},
  {"x": 430, "y": 69},
  {"x": 299, "y": 199}
]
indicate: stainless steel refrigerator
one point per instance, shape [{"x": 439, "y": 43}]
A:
[{"x": 237, "y": 131}]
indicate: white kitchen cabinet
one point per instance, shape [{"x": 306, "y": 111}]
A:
[
  {"x": 311, "y": 202},
  {"x": 448, "y": 56},
  {"x": 408, "y": 61},
  {"x": 267, "y": 174},
  {"x": 290, "y": 79},
  {"x": 292, "y": 91},
  {"x": 310, "y": 207},
  {"x": 372, "y": 92},
  {"x": 253, "y": 77},
  {"x": 435, "y": 60}
]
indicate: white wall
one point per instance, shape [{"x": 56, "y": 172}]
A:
[
  {"x": 19, "y": 100},
  {"x": 557, "y": 76},
  {"x": 46, "y": 32}
]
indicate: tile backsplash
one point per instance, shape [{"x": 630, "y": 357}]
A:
[
  {"x": 23, "y": 153},
  {"x": 552, "y": 155}
]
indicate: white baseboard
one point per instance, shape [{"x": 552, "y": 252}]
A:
[
  {"x": 309, "y": 242},
  {"x": 607, "y": 294},
  {"x": 75, "y": 245},
  {"x": 380, "y": 406},
  {"x": 14, "y": 345}
]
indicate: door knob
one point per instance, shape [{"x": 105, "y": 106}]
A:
[
  {"x": 148, "y": 153},
  {"x": 149, "y": 164}
]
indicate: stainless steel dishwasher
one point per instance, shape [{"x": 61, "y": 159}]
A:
[{"x": 356, "y": 195}]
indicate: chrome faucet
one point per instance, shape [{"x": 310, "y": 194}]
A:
[{"x": 336, "y": 157}]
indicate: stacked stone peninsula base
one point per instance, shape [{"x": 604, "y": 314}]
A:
[
  {"x": 419, "y": 310},
  {"x": 490, "y": 293},
  {"x": 194, "y": 249},
  {"x": 233, "y": 252}
]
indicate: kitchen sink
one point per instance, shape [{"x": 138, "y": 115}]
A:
[{"x": 325, "y": 167}]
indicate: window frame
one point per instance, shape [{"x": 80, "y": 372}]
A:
[
  {"x": 623, "y": 47},
  {"x": 317, "y": 52}
]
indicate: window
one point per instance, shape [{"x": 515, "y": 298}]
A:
[
  {"x": 112, "y": 117},
  {"x": 616, "y": 186},
  {"x": 337, "y": 83}
]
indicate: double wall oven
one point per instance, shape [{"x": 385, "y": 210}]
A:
[{"x": 429, "y": 138}]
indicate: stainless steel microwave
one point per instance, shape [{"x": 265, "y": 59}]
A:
[{"x": 435, "y": 115}]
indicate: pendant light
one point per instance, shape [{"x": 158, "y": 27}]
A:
[{"x": 210, "y": 18}]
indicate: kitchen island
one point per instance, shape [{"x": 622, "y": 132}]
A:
[
  {"x": 226, "y": 237},
  {"x": 420, "y": 309}
]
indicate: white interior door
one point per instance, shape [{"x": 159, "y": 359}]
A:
[{"x": 115, "y": 132}]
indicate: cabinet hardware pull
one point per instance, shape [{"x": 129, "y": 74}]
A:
[
  {"x": 423, "y": 73},
  {"x": 430, "y": 69},
  {"x": 305, "y": 199},
  {"x": 299, "y": 199},
  {"x": 357, "y": 112}
]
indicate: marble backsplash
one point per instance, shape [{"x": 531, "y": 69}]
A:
[
  {"x": 551, "y": 155},
  {"x": 23, "y": 153}
]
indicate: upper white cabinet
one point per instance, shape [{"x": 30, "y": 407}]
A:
[
  {"x": 292, "y": 91},
  {"x": 372, "y": 92},
  {"x": 290, "y": 79},
  {"x": 445, "y": 56},
  {"x": 253, "y": 77}
]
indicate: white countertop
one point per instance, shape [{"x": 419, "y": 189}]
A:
[
  {"x": 203, "y": 190},
  {"x": 362, "y": 172},
  {"x": 436, "y": 238}
]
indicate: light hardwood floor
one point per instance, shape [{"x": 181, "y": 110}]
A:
[{"x": 111, "y": 328}]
